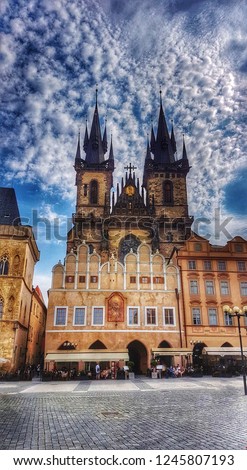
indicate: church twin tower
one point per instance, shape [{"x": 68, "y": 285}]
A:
[{"x": 155, "y": 212}]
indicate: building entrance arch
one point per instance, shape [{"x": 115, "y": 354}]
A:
[{"x": 138, "y": 355}]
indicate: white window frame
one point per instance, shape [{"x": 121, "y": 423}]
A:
[
  {"x": 243, "y": 287},
  {"x": 207, "y": 265},
  {"x": 210, "y": 286},
  {"x": 85, "y": 321},
  {"x": 174, "y": 316},
  {"x": 66, "y": 315},
  {"x": 228, "y": 320},
  {"x": 216, "y": 316},
  {"x": 222, "y": 288},
  {"x": 128, "y": 317},
  {"x": 241, "y": 265},
  {"x": 200, "y": 313},
  {"x": 222, "y": 263},
  {"x": 193, "y": 286},
  {"x": 192, "y": 265},
  {"x": 156, "y": 316},
  {"x": 103, "y": 319}
]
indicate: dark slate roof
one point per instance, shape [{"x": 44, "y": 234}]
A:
[{"x": 9, "y": 211}]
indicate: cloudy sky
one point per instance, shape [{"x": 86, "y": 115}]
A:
[{"x": 52, "y": 55}]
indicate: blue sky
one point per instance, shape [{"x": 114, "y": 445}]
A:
[{"x": 52, "y": 55}]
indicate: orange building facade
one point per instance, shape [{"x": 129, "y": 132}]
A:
[{"x": 211, "y": 278}]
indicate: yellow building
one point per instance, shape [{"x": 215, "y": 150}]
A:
[
  {"x": 115, "y": 298},
  {"x": 18, "y": 256}
]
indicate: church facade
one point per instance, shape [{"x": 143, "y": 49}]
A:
[{"x": 118, "y": 295}]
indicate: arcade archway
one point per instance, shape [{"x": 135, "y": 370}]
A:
[{"x": 138, "y": 355}]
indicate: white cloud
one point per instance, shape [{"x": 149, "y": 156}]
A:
[{"x": 130, "y": 52}]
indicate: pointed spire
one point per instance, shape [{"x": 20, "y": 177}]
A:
[
  {"x": 184, "y": 156},
  {"x": 94, "y": 145},
  {"x": 148, "y": 153},
  {"x": 117, "y": 190},
  {"x": 122, "y": 184},
  {"x": 86, "y": 139},
  {"x": 163, "y": 153},
  {"x": 78, "y": 153},
  {"x": 105, "y": 145},
  {"x": 152, "y": 142},
  {"x": 111, "y": 155},
  {"x": 173, "y": 140}
]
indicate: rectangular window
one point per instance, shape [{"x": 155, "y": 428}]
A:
[
  {"x": 207, "y": 265},
  {"x": 132, "y": 279},
  {"x": 241, "y": 266},
  {"x": 69, "y": 279},
  {"x": 194, "y": 287},
  {"x": 212, "y": 316},
  {"x": 158, "y": 280},
  {"x": 169, "y": 316},
  {"x": 133, "y": 316},
  {"x": 98, "y": 315},
  {"x": 145, "y": 280},
  {"x": 82, "y": 279},
  {"x": 243, "y": 288},
  {"x": 210, "y": 287},
  {"x": 224, "y": 287},
  {"x": 221, "y": 265},
  {"x": 60, "y": 316},
  {"x": 191, "y": 264},
  {"x": 150, "y": 316},
  {"x": 79, "y": 315},
  {"x": 196, "y": 316},
  {"x": 93, "y": 279},
  {"x": 228, "y": 320}
]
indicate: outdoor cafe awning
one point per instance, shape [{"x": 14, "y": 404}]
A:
[
  {"x": 224, "y": 351},
  {"x": 100, "y": 355},
  {"x": 171, "y": 352}
]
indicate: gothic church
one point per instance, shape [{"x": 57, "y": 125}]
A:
[{"x": 116, "y": 297}]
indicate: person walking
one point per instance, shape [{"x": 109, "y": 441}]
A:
[{"x": 97, "y": 371}]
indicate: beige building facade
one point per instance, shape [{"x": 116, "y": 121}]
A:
[
  {"x": 18, "y": 256},
  {"x": 125, "y": 292},
  {"x": 115, "y": 293}
]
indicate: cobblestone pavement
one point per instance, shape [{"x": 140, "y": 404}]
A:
[{"x": 187, "y": 413}]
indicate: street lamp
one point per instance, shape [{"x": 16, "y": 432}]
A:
[{"x": 237, "y": 312}]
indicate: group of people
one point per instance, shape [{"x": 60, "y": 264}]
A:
[{"x": 175, "y": 372}]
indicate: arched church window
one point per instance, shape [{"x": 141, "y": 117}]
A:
[
  {"x": 127, "y": 244},
  {"x": 1, "y": 308},
  {"x": 167, "y": 192},
  {"x": 94, "y": 190},
  {"x": 4, "y": 265}
]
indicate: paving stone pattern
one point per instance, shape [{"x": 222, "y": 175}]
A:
[{"x": 162, "y": 414}]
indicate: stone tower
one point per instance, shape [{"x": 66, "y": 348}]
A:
[
  {"x": 94, "y": 181},
  {"x": 164, "y": 180}
]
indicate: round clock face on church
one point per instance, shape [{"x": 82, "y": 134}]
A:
[{"x": 130, "y": 190}]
